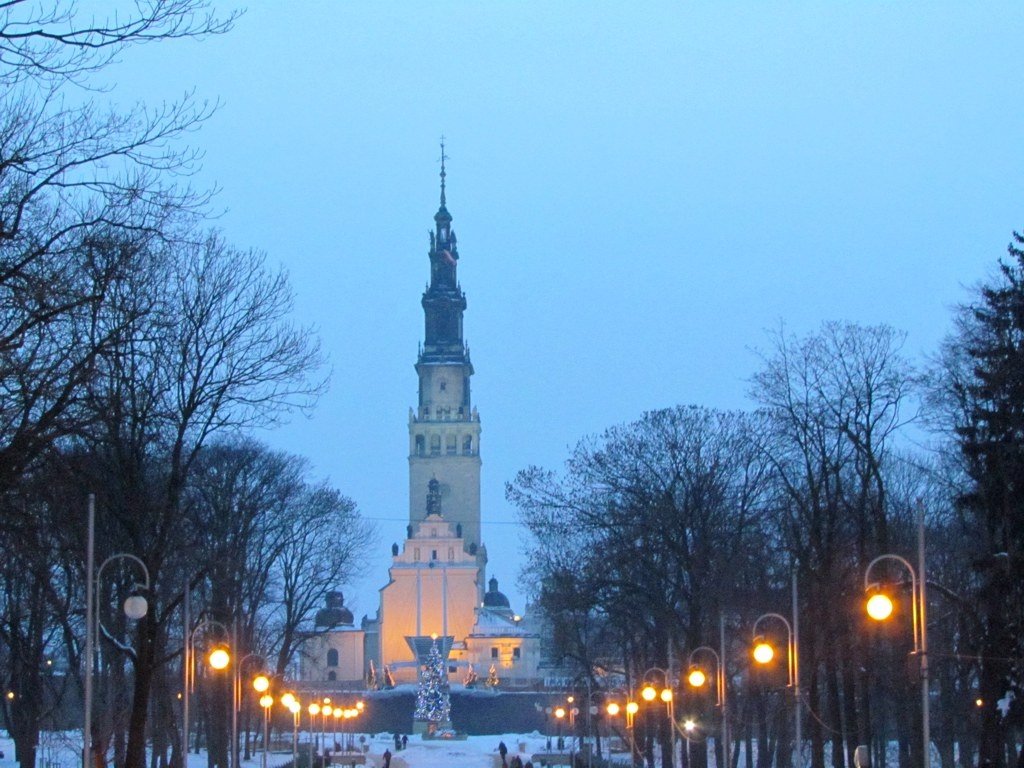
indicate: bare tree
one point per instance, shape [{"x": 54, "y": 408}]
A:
[
  {"x": 83, "y": 191},
  {"x": 834, "y": 402},
  {"x": 214, "y": 353},
  {"x": 649, "y": 510}
]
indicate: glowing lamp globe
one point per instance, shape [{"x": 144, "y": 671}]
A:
[
  {"x": 360, "y": 705},
  {"x": 266, "y": 701},
  {"x": 632, "y": 708},
  {"x": 879, "y": 607},
  {"x": 327, "y": 711},
  {"x": 294, "y": 707},
  {"x": 648, "y": 693},
  {"x": 697, "y": 678},
  {"x": 613, "y": 709},
  {"x": 689, "y": 725},
  {"x": 135, "y": 607},
  {"x": 560, "y": 712},
  {"x": 261, "y": 684},
  {"x": 314, "y": 709},
  {"x": 666, "y": 695},
  {"x": 219, "y": 658},
  {"x": 287, "y": 699},
  {"x": 763, "y": 653}
]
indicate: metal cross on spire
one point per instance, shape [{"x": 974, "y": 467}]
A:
[{"x": 443, "y": 158}]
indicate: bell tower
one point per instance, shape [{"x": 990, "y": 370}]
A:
[{"x": 444, "y": 429}]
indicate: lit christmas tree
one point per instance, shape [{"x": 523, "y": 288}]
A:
[{"x": 433, "y": 704}]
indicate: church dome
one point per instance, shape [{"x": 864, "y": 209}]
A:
[
  {"x": 335, "y": 614},
  {"x": 493, "y": 598}
]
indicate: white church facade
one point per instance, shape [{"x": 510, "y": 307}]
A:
[{"x": 437, "y": 585}]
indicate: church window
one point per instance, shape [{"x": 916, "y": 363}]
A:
[
  {"x": 515, "y": 653},
  {"x": 494, "y": 652},
  {"x": 433, "y": 532},
  {"x": 332, "y": 675},
  {"x": 416, "y": 554},
  {"x": 332, "y": 657},
  {"x": 450, "y": 444},
  {"x": 433, "y": 555},
  {"x": 467, "y": 445},
  {"x": 435, "y": 445},
  {"x": 421, "y": 445},
  {"x": 451, "y": 554}
]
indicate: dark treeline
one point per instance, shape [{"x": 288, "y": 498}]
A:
[
  {"x": 138, "y": 351},
  {"x": 658, "y": 530}
]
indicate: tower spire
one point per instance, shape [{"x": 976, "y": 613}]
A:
[{"x": 443, "y": 158}]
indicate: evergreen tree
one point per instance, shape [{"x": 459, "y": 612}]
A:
[
  {"x": 433, "y": 703},
  {"x": 988, "y": 387}
]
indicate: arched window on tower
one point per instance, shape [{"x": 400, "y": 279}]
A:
[
  {"x": 332, "y": 675},
  {"x": 467, "y": 445},
  {"x": 421, "y": 445},
  {"x": 435, "y": 445},
  {"x": 332, "y": 657},
  {"x": 450, "y": 444}
]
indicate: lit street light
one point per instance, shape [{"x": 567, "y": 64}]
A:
[
  {"x": 266, "y": 701},
  {"x": 697, "y": 678},
  {"x": 880, "y": 607},
  {"x": 764, "y": 652}
]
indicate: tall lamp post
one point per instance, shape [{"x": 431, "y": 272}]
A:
[
  {"x": 631, "y": 707},
  {"x": 219, "y": 659},
  {"x": 236, "y": 698},
  {"x": 292, "y": 705},
  {"x": 266, "y": 701},
  {"x": 764, "y": 652},
  {"x": 135, "y": 607},
  {"x": 879, "y": 607},
  {"x": 697, "y": 678},
  {"x": 649, "y": 693},
  {"x": 314, "y": 737}
]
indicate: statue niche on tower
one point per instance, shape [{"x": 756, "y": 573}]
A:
[{"x": 433, "y": 497}]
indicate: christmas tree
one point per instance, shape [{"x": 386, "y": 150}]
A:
[
  {"x": 433, "y": 704},
  {"x": 492, "y": 678}
]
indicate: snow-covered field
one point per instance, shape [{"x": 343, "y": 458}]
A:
[{"x": 62, "y": 750}]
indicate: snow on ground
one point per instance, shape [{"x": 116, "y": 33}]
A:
[{"x": 62, "y": 750}]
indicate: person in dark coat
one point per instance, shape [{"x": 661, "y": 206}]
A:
[
  {"x": 502, "y": 750},
  {"x": 405, "y": 741},
  {"x": 387, "y": 758}
]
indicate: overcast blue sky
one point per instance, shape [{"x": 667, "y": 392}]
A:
[{"x": 639, "y": 190}]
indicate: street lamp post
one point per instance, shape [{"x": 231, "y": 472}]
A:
[
  {"x": 764, "y": 653},
  {"x": 314, "y": 710},
  {"x": 135, "y": 607},
  {"x": 879, "y": 607},
  {"x": 649, "y": 693},
  {"x": 293, "y": 706},
  {"x": 697, "y": 678},
  {"x": 236, "y": 698},
  {"x": 219, "y": 659},
  {"x": 326, "y": 710},
  {"x": 688, "y": 727},
  {"x": 266, "y": 701}
]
